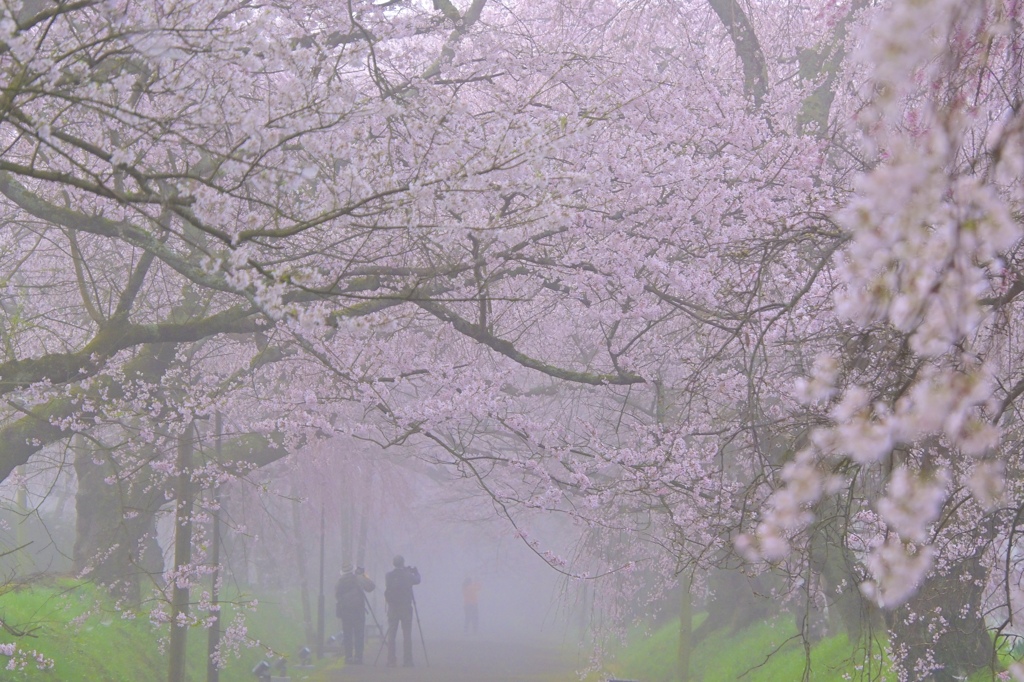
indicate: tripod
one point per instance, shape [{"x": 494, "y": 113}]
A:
[
  {"x": 385, "y": 641},
  {"x": 366, "y": 600},
  {"x": 419, "y": 627}
]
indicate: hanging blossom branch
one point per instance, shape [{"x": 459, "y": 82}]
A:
[{"x": 926, "y": 261}]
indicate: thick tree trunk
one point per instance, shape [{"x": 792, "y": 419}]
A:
[
  {"x": 748, "y": 48},
  {"x": 836, "y": 565},
  {"x": 736, "y": 602},
  {"x": 940, "y": 634},
  {"x": 115, "y": 526}
]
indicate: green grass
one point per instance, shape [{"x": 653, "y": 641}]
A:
[
  {"x": 82, "y": 646},
  {"x": 763, "y": 652},
  {"x": 76, "y": 626}
]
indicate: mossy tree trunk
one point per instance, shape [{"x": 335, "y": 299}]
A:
[{"x": 115, "y": 525}]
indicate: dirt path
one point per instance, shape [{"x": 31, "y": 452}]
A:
[{"x": 470, "y": 660}]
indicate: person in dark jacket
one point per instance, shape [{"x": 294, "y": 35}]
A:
[
  {"x": 398, "y": 596},
  {"x": 351, "y": 609}
]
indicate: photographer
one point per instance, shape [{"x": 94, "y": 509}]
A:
[
  {"x": 398, "y": 585},
  {"x": 351, "y": 609}
]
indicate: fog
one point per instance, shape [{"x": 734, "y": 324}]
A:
[
  {"x": 519, "y": 595},
  {"x": 375, "y": 506},
  {"x": 626, "y": 310},
  {"x": 451, "y": 531}
]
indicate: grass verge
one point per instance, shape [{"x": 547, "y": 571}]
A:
[
  {"x": 76, "y": 627},
  {"x": 762, "y": 652}
]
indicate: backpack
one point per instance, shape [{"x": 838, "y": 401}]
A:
[
  {"x": 349, "y": 594},
  {"x": 398, "y": 587}
]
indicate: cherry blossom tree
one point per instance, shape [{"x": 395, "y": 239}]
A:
[
  {"x": 721, "y": 282},
  {"x": 454, "y": 196},
  {"x": 922, "y": 413}
]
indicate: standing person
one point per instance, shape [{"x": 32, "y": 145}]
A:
[
  {"x": 351, "y": 602},
  {"x": 398, "y": 585},
  {"x": 470, "y": 604}
]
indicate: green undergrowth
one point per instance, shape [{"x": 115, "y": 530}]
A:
[
  {"x": 76, "y": 626},
  {"x": 762, "y": 652}
]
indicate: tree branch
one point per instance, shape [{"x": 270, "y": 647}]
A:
[
  {"x": 748, "y": 49},
  {"x": 507, "y": 349}
]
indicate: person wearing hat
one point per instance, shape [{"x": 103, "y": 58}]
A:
[
  {"x": 398, "y": 585},
  {"x": 350, "y": 594}
]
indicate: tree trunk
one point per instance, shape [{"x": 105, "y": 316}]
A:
[
  {"x": 320, "y": 616},
  {"x": 832, "y": 560},
  {"x": 685, "y": 626},
  {"x": 213, "y": 641},
  {"x": 364, "y": 516},
  {"x": 301, "y": 567},
  {"x": 748, "y": 48},
  {"x": 182, "y": 559},
  {"x": 940, "y": 634},
  {"x": 736, "y": 602},
  {"x": 23, "y": 560},
  {"x": 115, "y": 525},
  {"x": 346, "y": 508}
]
